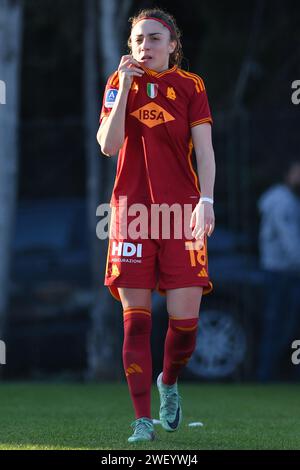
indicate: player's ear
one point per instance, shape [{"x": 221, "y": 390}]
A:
[{"x": 172, "y": 46}]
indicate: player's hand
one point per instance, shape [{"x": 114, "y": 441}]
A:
[
  {"x": 128, "y": 68},
  {"x": 202, "y": 220}
]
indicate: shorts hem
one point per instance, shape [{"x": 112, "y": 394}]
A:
[
  {"x": 113, "y": 288},
  {"x": 209, "y": 287},
  {"x": 128, "y": 285}
]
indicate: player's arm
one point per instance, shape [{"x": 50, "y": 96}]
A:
[
  {"x": 202, "y": 141},
  {"x": 111, "y": 133},
  {"x": 201, "y": 136},
  {"x": 200, "y": 121}
]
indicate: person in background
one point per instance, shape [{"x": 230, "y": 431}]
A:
[{"x": 279, "y": 243}]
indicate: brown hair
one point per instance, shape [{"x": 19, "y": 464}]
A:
[{"x": 177, "y": 55}]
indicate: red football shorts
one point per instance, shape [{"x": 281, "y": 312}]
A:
[{"x": 153, "y": 263}]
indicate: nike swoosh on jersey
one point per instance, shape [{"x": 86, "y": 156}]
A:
[{"x": 176, "y": 420}]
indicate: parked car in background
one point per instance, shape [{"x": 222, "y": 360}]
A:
[{"x": 50, "y": 291}]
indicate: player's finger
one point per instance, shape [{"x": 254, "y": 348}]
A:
[
  {"x": 135, "y": 74},
  {"x": 136, "y": 70},
  {"x": 199, "y": 242},
  {"x": 129, "y": 59},
  {"x": 124, "y": 60},
  {"x": 198, "y": 220},
  {"x": 192, "y": 221},
  {"x": 208, "y": 229},
  {"x": 135, "y": 61},
  {"x": 200, "y": 234},
  {"x": 131, "y": 67},
  {"x": 128, "y": 64},
  {"x": 211, "y": 229},
  {"x": 132, "y": 71},
  {"x": 195, "y": 229}
]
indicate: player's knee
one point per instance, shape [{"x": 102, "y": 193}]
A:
[
  {"x": 131, "y": 296},
  {"x": 185, "y": 330},
  {"x": 191, "y": 315},
  {"x": 184, "y": 326},
  {"x": 137, "y": 323},
  {"x": 137, "y": 326}
]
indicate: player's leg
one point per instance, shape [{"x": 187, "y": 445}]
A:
[
  {"x": 184, "y": 302},
  {"x": 182, "y": 263},
  {"x": 183, "y": 274},
  {"x": 132, "y": 263},
  {"x": 130, "y": 296},
  {"x": 137, "y": 358},
  {"x": 183, "y": 306}
]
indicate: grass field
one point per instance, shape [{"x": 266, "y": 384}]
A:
[{"x": 94, "y": 416}]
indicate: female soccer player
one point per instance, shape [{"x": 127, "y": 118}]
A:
[{"x": 154, "y": 113}]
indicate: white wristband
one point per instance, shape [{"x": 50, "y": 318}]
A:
[{"x": 206, "y": 199}]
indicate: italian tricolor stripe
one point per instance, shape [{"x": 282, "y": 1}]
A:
[{"x": 151, "y": 92}]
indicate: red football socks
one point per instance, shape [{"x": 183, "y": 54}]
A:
[
  {"x": 137, "y": 359},
  {"x": 180, "y": 343}
]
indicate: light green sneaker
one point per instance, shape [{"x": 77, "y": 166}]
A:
[
  {"x": 143, "y": 430},
  {"x": 170, "y": 412}
]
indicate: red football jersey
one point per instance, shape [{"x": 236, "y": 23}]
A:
[{"x": 155, "y": 161}]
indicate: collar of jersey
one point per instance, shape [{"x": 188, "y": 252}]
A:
[{"x": 155, "y": 74}]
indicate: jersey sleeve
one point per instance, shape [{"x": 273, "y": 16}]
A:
[
  {"x": 110, "y": 94},
  {"x": 199, "y": 110}
]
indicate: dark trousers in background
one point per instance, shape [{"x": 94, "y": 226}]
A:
[{"x": 280, "y": 324}]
